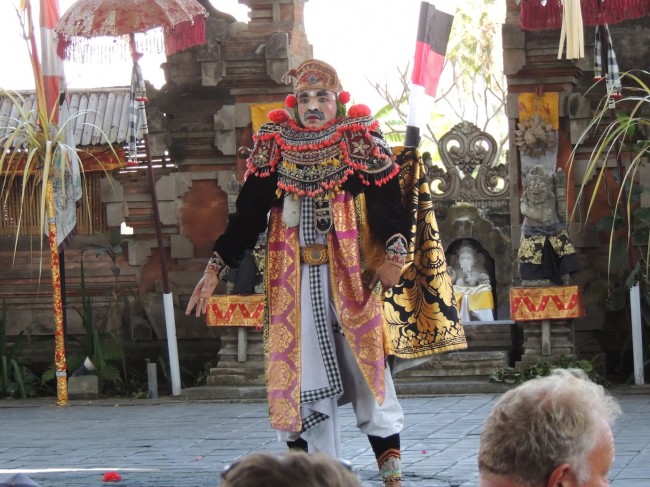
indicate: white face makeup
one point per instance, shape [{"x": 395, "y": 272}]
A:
[{"x": 316, "y": 107}]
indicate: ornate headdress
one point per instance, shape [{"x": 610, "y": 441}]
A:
[{"x": 313, "y": 74}]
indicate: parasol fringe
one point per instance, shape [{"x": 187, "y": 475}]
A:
[
  {"x": 109, "y": 49},
  {"x": 185, "y": 35},
  {"x": 534, "y": 16}
]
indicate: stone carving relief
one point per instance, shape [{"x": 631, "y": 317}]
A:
[{"x": 470, "y": 172}]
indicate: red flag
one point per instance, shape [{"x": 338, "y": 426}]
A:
[
  {"x": 434, "y": 28},
  {"x": 51, "y": 62},
  {"x": 67, "y": 190}
]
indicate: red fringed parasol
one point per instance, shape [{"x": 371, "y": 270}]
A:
[
  {"x": 535, "y": 16},
  {"x": 101, "y": 29}
]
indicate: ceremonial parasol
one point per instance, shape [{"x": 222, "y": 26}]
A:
[
  {"x": 113, "y": 25},
  {"x": 103, "y": 30}
]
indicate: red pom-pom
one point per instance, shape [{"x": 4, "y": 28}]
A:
[
  {"x": 290, "y": 101},
  {"x": 344, "y": 97},
  {"x": 112, "y": 477},
  {"x": 356, "y": 111},
  {"x": 278, "y": 115}
]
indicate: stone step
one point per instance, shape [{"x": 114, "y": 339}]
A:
[
  {"x": 451, "y": 367},
  {"x": 226, "y": 393},
  {"x": 230, "y": 354},
  {"x": 233, "y": 370},
  {"x": 458, "y": 367},
  {"x": 490, "y": 334},
  {"x": 446, "y": 375},
  {"x": 470, "y": 356},
  {"x": 452, "y": 387},
  {"x": 236, "y": 380},
  {"x": 563, "y": 349}
]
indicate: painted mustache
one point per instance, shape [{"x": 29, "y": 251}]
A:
[{"x": 314, "y": 114}]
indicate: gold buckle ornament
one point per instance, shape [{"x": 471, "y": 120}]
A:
[{"x": 314, "y": 254}]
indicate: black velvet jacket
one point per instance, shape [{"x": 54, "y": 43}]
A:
[{"x": 386, "y": 214}]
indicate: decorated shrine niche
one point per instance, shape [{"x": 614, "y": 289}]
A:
[
  {"x": 471, "y": 195},
  {"x": 472, "y": 275}
]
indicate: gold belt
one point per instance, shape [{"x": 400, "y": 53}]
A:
[{"x": 314, "y": 254}]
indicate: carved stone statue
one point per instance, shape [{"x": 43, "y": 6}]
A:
[
  {"x": 471, "y": 282},
  {"x": 546, "y": 254}
]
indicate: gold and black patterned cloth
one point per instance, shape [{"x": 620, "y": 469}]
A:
[
  {"x": 547, "y": 257},
  {"x": 531, "y": 248},
  {"x": 421, "y": 313}
]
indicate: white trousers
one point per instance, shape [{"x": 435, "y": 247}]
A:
[{"x": 372, "y": 418}]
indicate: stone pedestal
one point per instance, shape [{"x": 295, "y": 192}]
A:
[
  {"x": 241, "y": 358},
  {"x": 83, "y": 387},
  {"x": 546, "y": 340},
  {"x": 546, "y": 315}
]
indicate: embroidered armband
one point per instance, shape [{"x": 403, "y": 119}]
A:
[
  {"x": 216, "y": 265},
  {"x": 396, "y": 250}
]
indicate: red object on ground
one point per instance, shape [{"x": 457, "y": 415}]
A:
[{"x": 112, "y": 477}]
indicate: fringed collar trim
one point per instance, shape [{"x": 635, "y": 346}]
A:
[{"x": 312, "y": 162}]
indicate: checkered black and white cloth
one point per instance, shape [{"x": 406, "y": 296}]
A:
[
  {"x": 137, "y": 112},
  {"x": 611, "y": 72},
  {"x": 320, "y": 315}
]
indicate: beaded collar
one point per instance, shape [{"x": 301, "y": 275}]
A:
[{"x": 316, "y": 162}]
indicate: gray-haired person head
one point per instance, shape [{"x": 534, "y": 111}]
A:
[{"x": 552, "y": 431}]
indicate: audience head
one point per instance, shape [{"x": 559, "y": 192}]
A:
[
  {"x": 552, "y": 431},
  {"x": 292, "y": 469}
]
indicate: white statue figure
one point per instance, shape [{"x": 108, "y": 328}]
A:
[{"x": 472, "y": 284}]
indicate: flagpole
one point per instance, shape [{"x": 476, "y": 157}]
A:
[
  {"x": 52, "y": 71},
  {"x": 412, "y": 138},
  {"x": 60, "y": 365}
]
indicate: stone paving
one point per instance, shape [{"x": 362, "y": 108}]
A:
[{"x": 168, "y": 442}]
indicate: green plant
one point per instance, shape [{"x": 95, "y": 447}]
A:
[
  {"x": 621, "y": 127},
  {"x": 202, "y": 375},
  {"x": 99, "y": 343},
  {"x": 113, "y": 246},
  {"x": 140, "y": 394},
  {"x": 542, "y": 368},
  {"x": 188, "y": 376},
  {"x": 16, "y": 379}
]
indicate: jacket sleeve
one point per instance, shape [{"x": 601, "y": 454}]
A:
[
  {"x": 386, "y": 213},
  {"x": 253, "y": 204}
]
